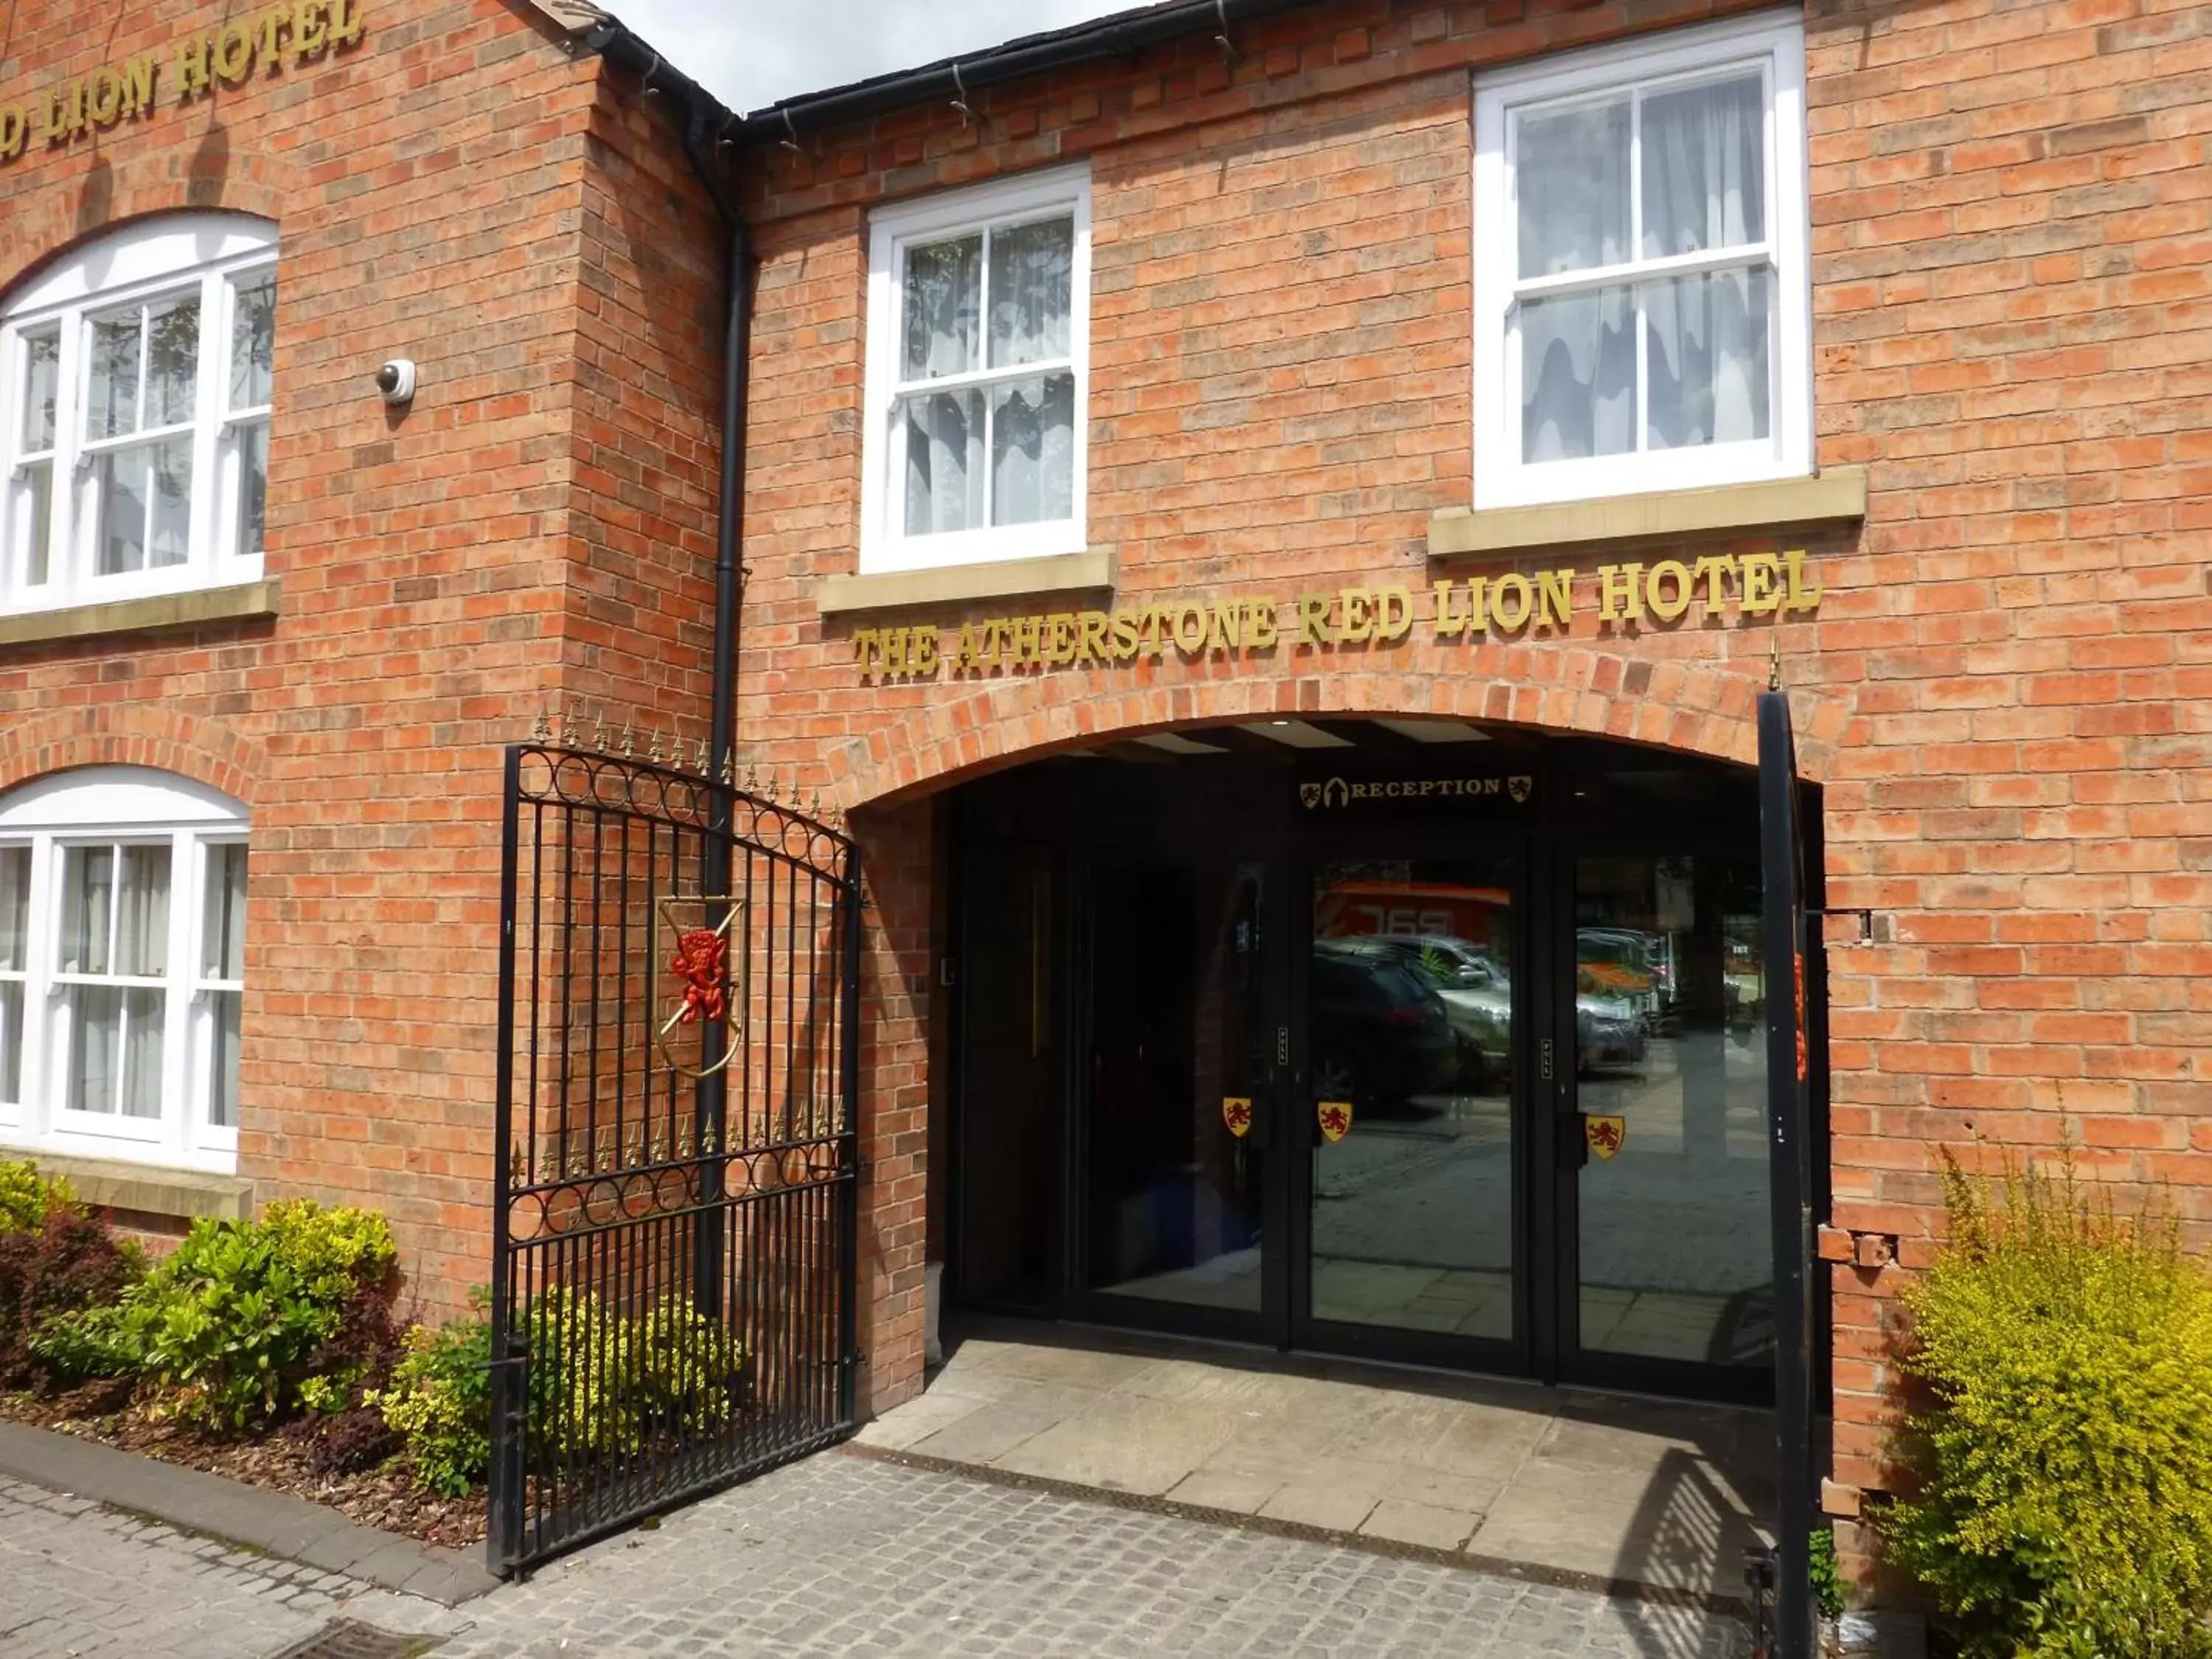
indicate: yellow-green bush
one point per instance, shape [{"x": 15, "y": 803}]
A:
[
  {"x": 601, "y": 1383},
  {"x": 441, "y": 1400},
  {"x": 2066, "y": 1509},
  {"x": 26, "y": 1195}
]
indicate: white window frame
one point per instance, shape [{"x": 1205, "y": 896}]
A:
[
  {"x": 884, "y": 545},
  {"x": 208, "y": 256},
  {"x": 1776, "y": 45},
  {"x": 115, "y": 805}
]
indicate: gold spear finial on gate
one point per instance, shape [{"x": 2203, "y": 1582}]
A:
[
  {"x": 699, "y": 761},
  {"x": 543, "y": 730},
  {"x": 654, "y": 754},
  {"x": 628, "y": 745},
  {"x": 599, "y": 734},
  {"x": 730, "y": 767},
  {"x": 1774, "y": 663}
]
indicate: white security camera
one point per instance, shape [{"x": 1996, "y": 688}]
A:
[{"x": 396, "y": 379}]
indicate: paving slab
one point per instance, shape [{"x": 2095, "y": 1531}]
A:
[{"x": 1587, "y": 1487}]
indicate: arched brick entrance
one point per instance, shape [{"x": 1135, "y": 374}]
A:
[{"x": 1704, "y": 706}]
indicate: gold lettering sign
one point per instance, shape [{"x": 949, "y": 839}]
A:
[
  {"x": 1511, "y": 604},
  {"x": 293, "y": 35}
]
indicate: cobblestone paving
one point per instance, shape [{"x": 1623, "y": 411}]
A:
[
  {"x": 842, "y": 1555},
  {"x": 837, "y": 1555},
  {"x": 78, "y": 1580}
]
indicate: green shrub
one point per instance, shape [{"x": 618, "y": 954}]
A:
[
  {"x": 26, "y": 1195},
  {"x": 230, "y": 1323},
  {"x": 67, "y": 1263},
  {"x": 1827, "y": 1577},
  {"x": 2066, "y": 1505},
  {"x": 600, "y": 1384},
  {"x": 440, "y": 1400}
]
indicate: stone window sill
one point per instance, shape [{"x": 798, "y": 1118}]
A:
[
  {"x": 111, "y": 1183},
  {"x": 1835, "y": 496},
  {"x": 1066, "y": 573},
  {"x": 243, "y": 602}
]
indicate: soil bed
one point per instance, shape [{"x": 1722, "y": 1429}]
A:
[{"x": 386, "y": 1496}]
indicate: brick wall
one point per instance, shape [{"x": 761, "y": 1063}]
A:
[
  {"x": 2005, "y": 688},
  {"x": 2013, "y": 220},
  {"x": 536, "y": 529}
]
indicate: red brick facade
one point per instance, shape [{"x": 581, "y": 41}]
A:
[
  {"x": 536, "y": 529},
  {"x": 2004, "y": 690}
]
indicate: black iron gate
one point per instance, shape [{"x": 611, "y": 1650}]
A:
[{"x": 673, "y": 1241}]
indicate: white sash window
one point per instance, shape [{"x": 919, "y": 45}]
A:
[
  {"x": 136, "y": 376},
  {"x": 978, "y": 366},
  {"x": 122, "y": 940},
  {"x": 1641, "y": 286}
]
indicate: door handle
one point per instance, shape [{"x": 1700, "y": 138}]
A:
[{"x": 1574, "y": 1143}]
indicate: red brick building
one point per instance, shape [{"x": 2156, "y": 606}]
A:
[
  {"x": 1270, "y": 522},
  {"x": 311, "y": 625}
]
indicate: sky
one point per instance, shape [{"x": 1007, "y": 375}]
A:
[{"x": 750, "y": 53}]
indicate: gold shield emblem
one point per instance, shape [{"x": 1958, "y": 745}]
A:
[
  {"x": 1236, "y": 1114},
  {"x": 1604, "y": 1135},
  {"x": 697, "y": 978},
  {"x": 1334, "y": 1117},
  {"x": 1518, "y": 786},
  {"x": 1309, "y": 795}
]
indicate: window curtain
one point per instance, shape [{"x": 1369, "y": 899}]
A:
[
  {"x": 1705, "y": 187},
  {"x": 14, "y": 954},
  {"x": 142, "y": 931},
  {"x": 1032, "y": 421},
  {"x": 943, "y": 430},
  {"x": 1030, "y": 475},
  {"x": 1702, "y": 187},
  {"x": 117, "y": 1033}
]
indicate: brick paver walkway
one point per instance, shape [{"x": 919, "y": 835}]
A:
[
  {"x": 842, "y": 1555},
  {"x": 80, "y": 1582},
  {"x": 837, "y": 1555}
]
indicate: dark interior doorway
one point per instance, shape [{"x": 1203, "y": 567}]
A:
[{"x": 1436, "y": 1046}]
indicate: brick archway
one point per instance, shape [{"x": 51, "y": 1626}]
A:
[
  {"x": 1701, "y": 706},
  {"x": 194, "y": 174},
  {"x": 206, "y": 752}
]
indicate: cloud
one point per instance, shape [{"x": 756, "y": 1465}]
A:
[{"x": 750, "y": 53}]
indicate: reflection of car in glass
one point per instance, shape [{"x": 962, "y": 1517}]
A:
[
  {"x": 1743, "y": 984},
  {"x": 1620, "y": 962},
  {"x": 1379, "y": 1035},
  {"x": 1476, "y": 992},
  {"x": 1609, "y": 1029}
]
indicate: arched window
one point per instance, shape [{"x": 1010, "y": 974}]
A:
[
  {"x": 121, "y": 947},
  {"x": 135, "y": 385}
]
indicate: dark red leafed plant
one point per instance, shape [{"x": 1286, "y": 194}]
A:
[{"x": 69, "y": 1262}]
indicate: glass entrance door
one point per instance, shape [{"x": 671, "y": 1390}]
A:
[
  {"x": 1180, "y": 1101},
  {"x": 1408, "y": 1104},
  {"x": 1669, "y": 1230}
]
